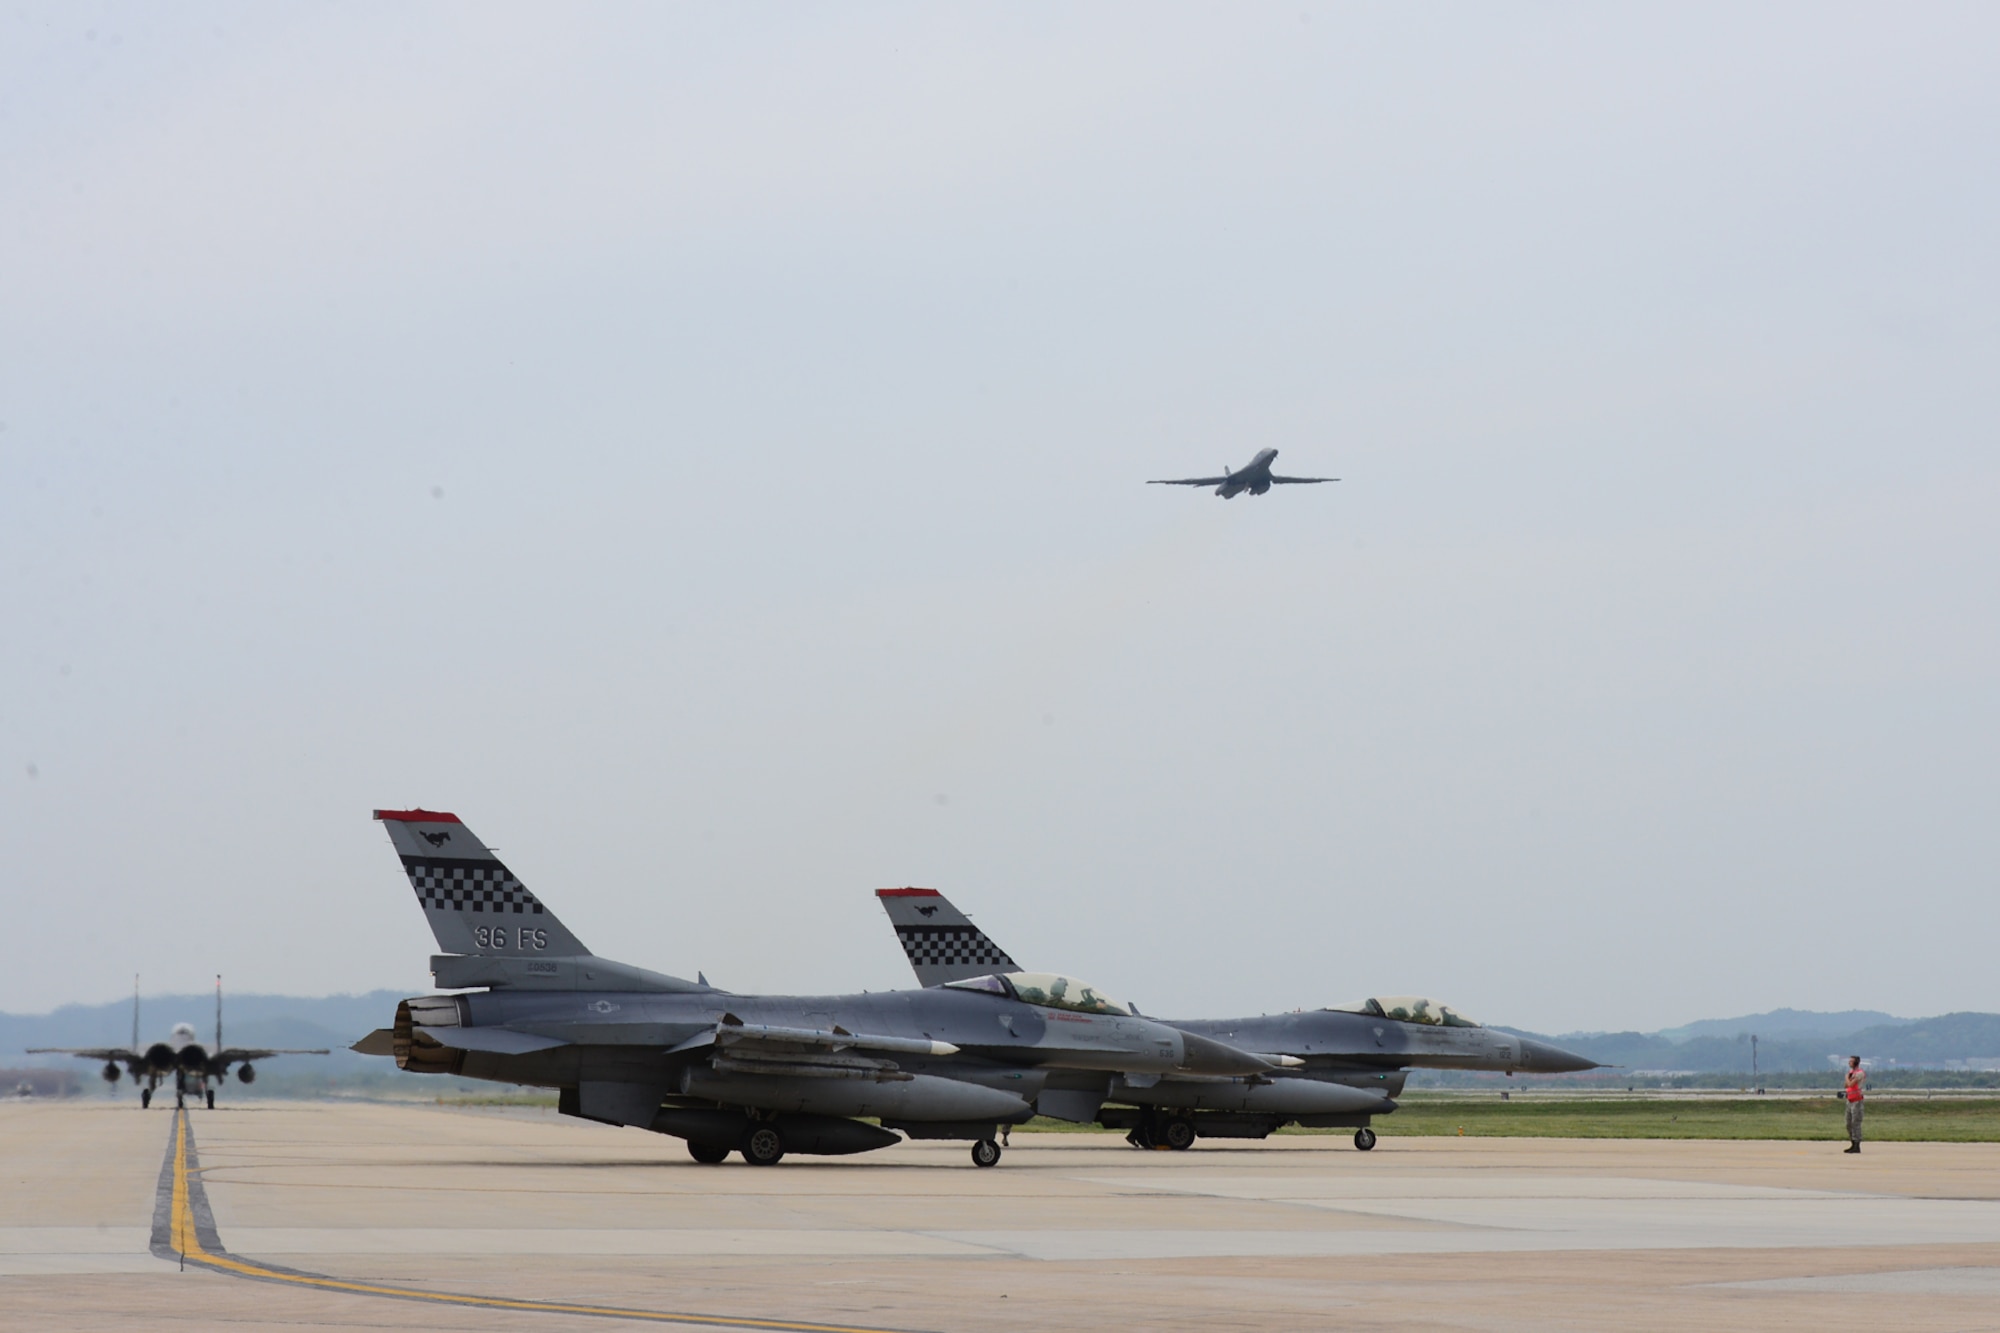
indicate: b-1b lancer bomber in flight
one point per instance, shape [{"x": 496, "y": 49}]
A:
[
  {"x": 762, "y": 1075},
  {"x": 1356, "y": 1050},
  {"x": 190, "y": 1064},
  {"x": 1254, "y": 476}
]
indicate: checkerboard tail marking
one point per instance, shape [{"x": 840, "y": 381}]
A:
[{"x": 474, "y": 903}]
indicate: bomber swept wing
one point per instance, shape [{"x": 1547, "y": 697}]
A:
[{"x": 1255, "y": 477}]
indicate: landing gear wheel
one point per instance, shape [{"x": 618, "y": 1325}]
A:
[
  {"x": 986, "y": 1153},
  {"x": 211, "y": 1099},
  {"x": 145, "y": 1098},
  {"x": 706, "y": 1153},
  {"x": 763, "y": 1146},
  {"x": 1178, "y": 1133},
  {"x": 1364, "y": 1138}
]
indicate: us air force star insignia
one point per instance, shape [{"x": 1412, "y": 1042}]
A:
[{"x": 604, "y": 1007}]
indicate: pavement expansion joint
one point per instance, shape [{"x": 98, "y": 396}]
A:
[{"x": 184, "y": 1232}]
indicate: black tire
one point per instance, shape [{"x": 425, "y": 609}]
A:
[
  {"x": 706, "y": 1153},
  {"x": 763, "y": 1146},
  {"x": 211, "y": 1099},
  {"x": 1364, "y": 1138},
  {"x": 986, "y": 1153},
  {"x": 1178, "y": 1133},
  {"x": 145, "y": 1098}
]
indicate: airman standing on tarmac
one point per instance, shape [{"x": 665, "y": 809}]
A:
[{"x": 1856, "y": 1075}]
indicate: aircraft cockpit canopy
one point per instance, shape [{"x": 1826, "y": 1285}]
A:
[
  {"x": 1048, "y": 989},
  {"x": 1409, "y": 1009}
]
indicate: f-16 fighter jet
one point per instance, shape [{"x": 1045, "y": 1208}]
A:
[
  {"x": 183, "y": 1057},
  {"x": 1365, "y": 1048},
  {"x": 1255, "y": 477},
  {"x": 762, "y": 1075}
]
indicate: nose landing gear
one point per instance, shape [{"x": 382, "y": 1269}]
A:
[
  {"x": 1364, "y": 1138},
  {"x": 986, "y": 1153}
]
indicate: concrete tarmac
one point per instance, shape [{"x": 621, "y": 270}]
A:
[{"x": 1069, "y": 1232}]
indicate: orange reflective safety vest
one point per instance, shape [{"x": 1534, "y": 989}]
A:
[{"x": 1854, "y": 1077}]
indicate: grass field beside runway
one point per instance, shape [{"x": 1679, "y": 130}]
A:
[{"x": 1889, "y": 1119}]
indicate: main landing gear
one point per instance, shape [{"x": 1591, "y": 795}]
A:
[
  {"x": 763, "y": 1146},
  {"x": 1157, "y": 1131},
  {"x": 211, "y": 1099},
  {"x": 986, "y": 1153},
  {"x": 1364, "y": 1138}
]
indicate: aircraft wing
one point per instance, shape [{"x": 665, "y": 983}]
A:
[
  {"x": 1300, "y": 481},
  {"x": 236, "y": 1054},
  {"x": 1189, "y": 481},
  {"x": 87, "y": 1052}
]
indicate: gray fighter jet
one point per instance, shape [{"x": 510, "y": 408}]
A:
[
  {"x": 1365, "y": 1047},
  {"x": 758, "y": 1074},
  {"x": 181, "y": 1057},
  {"x": 1255, "y": 477}
]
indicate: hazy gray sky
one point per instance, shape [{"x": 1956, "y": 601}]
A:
[{"x": 703, "y": 446}]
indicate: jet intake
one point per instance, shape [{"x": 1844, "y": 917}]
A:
[
  {"x": 1205, "y": 1055},
  {"x": 192, "y": 1058}
]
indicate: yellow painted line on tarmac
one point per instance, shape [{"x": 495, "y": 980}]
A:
[{"x": 187, "y": 1240}]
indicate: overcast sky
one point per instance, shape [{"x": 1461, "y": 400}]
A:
[{"x": 703, "y": 447}]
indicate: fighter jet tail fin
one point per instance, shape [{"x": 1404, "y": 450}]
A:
[
  {"x": 474, "y": 903},
  {"x": 941, "y": 944}
]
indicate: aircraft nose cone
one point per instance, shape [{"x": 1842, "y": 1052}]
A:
[
  {"x": 1204, "y": 1055},
  {"x": 1540, "y": 1057}
]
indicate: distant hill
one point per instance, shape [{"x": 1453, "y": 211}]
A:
[
  {"x": 1783, "y": 1023},
  {"x": 247, "y": 1020},
  {"x": 1815, "y": 1041},
  {"x": 332, "y": 1021},
  {"x": 1933, "y": 1041}
]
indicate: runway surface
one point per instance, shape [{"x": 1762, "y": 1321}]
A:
[{"x": 312, "y": 1215}]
